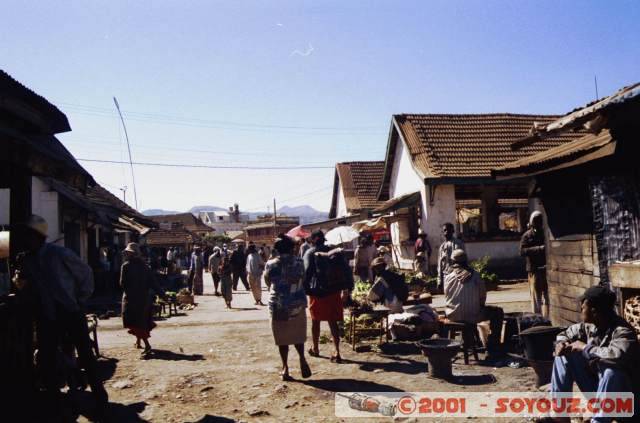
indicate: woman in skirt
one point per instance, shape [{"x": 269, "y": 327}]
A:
[{"x": 287, "y": 304}]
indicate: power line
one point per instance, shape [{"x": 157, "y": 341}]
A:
[
  {"x": 168, "y": 119},
  {"x": 162, "y": 147},
  {"x": 182, "y": 165}
]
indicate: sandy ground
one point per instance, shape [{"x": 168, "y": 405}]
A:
[{"x": 214, "y": 364}]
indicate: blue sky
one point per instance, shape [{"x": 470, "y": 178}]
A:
[{"x": 303, "y": 83}]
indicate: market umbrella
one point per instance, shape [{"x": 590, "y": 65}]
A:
[
  {"x": 298, "y": 232},
  {"x": 341, "y": 234},
  {"x": 370, "y": 225}
]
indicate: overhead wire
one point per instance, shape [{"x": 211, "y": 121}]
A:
[
  {"x": 197, "y": 166},
  {"x": 230, "y": 125}
]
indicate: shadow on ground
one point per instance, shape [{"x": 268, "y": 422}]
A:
[
  {"x": 106, "y": 367},
  {"x": 349, "y": 385},
  {"x": 401, "y": 365},
  {"x": 472, "y": 380},
  {"x": 214, "y": 419},
  {"x": 173, "y": 356}
]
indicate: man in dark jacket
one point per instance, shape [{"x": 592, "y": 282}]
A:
[
  {"x": 62, "y": 283},
  {"x": 238, "y": 262},
  {"x": 600, "y": 354},
  {"x": 532, "y": 248}
]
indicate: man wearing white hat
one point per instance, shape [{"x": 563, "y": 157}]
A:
[
  {"x": 532, "y": 248},
  {"x": 62, "y": 283}
]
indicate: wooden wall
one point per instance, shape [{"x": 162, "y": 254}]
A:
[{"x": 572, "y": 266}]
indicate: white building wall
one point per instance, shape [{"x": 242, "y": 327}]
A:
[
  {"x": 404, "y": 180},
  {"x": 341, "y": 207},
  {"x": 5, "y": 206},
  {"x": 45, "y": 203},
  {"x": 442, "y": 211}
]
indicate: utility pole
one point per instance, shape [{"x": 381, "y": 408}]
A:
[
  {"x": 124, "y": 193},
  {"x": 275, "y": 219},
  {"x": 126, "y": 135}
]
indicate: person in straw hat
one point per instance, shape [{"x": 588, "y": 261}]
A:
[
  {"x": 387, "y": 287},
  {"x": 138, "y": 286},
  {"x": 62, "y": 284}
]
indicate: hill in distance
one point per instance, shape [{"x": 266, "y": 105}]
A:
[
  {"x": 198, "y": 209},
  {"x": 306, "y": 213},
  {"x": 158, "y": 212}
]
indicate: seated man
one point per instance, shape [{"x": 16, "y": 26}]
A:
[
  {"x": 387, "y": 287},
  {"x": 465, "y": 297},
  {"x": 599, "y": 354}
]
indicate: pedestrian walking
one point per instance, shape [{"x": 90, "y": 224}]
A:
[
  {"x": 287, "y": 304},
  {"x": 328, "y": 280},
  {"x": 448, "y": 246},
  {"x": 305, "y": 246},
  {"x": 62, "y": 283},
  {"x": 255, "y": 265},
  {"x": 196, "y": 270},
  {"x": 139, "y": 289},
  {"x": 214, "y": 264},
  {"x": 238, "y": 263},
  {"x": 532, "y": 248},
  {"x": 224, "y": 270}
]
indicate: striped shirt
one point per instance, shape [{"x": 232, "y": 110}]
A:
[{"x": 465, "y": 295}]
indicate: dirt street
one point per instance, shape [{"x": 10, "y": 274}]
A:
[{"x": 214, "y": 364}]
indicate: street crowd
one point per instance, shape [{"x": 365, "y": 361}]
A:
[{"x": 599, "y": 353}]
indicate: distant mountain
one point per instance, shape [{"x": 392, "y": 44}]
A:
[
  {"x": 306, "y": 213},
  {"x": 198, "y": 209},
  {"x": 158, "y": 212}
]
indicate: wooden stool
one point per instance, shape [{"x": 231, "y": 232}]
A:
[{"x": 469, "y": 333}]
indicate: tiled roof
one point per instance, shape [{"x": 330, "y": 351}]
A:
[
  {"x": 360, "y": 185},
  {"x": 470, "y": 145},
  {"x": 170, "y": 237},
  {"x": 186, "y": 220},
  {"x": 283, "y": 221}
]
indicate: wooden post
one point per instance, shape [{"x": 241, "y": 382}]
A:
[{"x": 490, "y": 212}]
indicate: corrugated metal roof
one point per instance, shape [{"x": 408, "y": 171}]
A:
[
  {"x": 56, "y": 120},
  {"x": 588, "y": 112},
  {"x": 568, "y": 152}
]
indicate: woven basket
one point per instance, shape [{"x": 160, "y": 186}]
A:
[
  {"x": 632, "y": 312},
  {"x": 185, "y": 299}
]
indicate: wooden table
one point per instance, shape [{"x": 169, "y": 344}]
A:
[{"x": 381, "y": 316}]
